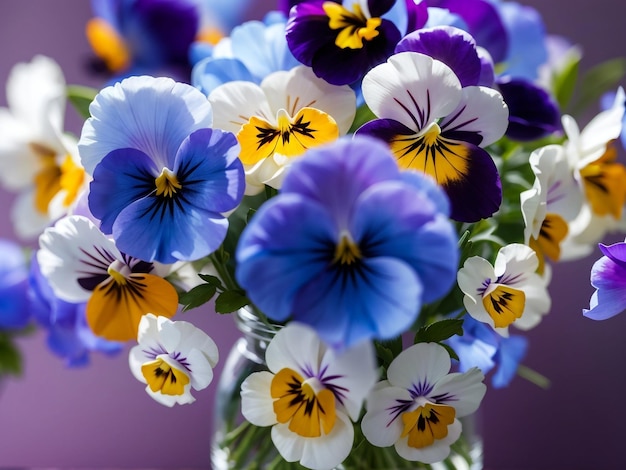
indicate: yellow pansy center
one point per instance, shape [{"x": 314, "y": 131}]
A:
[
  {"x": 52, "y": 178},
  {"x": 306, "y": 405},
  {"x": 166, "y": 183},
  {"x": 504, "y": 305},
  {"x": 289, "y": 137},
  {"x": 162, "y": 377},
  {"x": 347, "y": 252},
  {"x": 603, "y": 181},
  {"x": 426, "y": 424},
  {"x": 548, "y": 244},
  {"x": 443, "y": 159},
  {"x": 108, "y": 45},
  {"x": 354, "y": 26}
]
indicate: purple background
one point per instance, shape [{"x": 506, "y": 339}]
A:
[{"x": 100, "y": 416}]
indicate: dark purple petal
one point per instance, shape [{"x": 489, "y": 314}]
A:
[
  {"x": 378, "y": 8},
  {"x": 417, "y": 15},
  {"x": 484, "y": 24},
  {"x": 452, "y": 46},
  {"x": 532, "y": 112},
  {"x": 307, "y": 31},
  {"x": 615, "y": 252}
]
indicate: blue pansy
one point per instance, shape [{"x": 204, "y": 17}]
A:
[
  {"x": 162, "y": 178},
  {"x": 349, "y": 246},
  {"x": 480, "y": 346}
]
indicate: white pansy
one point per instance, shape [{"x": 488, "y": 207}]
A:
[
  {"x": 278, "y": 120},
  {"x": 40, "y": 162},
  {"x": 417, "y": 408},
  {"x": 309, "y": 395},
  {"x": 510, "y": 292},
  {"x": 172, "y": 358}
]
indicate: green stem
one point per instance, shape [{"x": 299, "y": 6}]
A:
[{"x": 223, "y": 271}]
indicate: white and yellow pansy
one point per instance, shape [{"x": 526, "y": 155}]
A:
[
  {"x": 309, "y": 396},
  {"x": 509, "y": 292},
  {"x": 83, "y": 265},
  {"x": 40, "y": 162},
  {"x": 278, "y": 120},
  {"x": 592, "y": 156},
  {"x": 417, "y": 409},
  {"x": 172, "y": 358}
]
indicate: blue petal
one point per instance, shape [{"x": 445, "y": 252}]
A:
[
  {"x": 123, "y": 176},
  {"x": 210, "y": 73},
  {"x": 510, "y": 353},
  {"x": 281, "y": 250},
  {"x": 379, "y": 300},
  {"x": 413, "y": 232},
  {"x": 209, "y": 170}
]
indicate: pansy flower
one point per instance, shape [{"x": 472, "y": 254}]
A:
[
  {"x": 40, "y": 162},
  {"x": 436, "y": 126},
  {"x": 172, "y": 357},
  {"x": 341, "y": 41},
  {"x": 509, "y": 292},
  {"x": 592, "y": 155},
  {"x": 553, "y": 200},
  {"x": 346, "y": 239},
  {"x": 417, "y": 409},
  {"x": 480, "y": 346},
  {"x": 162, "y": 178},
  {"x": 608, "y": 277},
  {"x": 309, "y": 395},
  {"x": 83, "y": 265},
  {"x": 143, "y": 36},
  {"x": 67, "y": 333},
  {"x": 14, "y": 311},
  {"x": 253, "y": 51},
  {"x": 278, "y": 120}
]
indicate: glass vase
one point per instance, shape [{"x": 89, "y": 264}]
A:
[{"x": 237, "y": 444}]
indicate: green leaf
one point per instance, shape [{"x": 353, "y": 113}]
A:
[
  {"x": 597, "y": 81},
  {"x": 439, "y": 331},
  {"x": 230, "y": 300},
  {"x": 565, "y": 81},
  {"x": 81, "y": 97},
  {"x": 10, "y": 357},
  {"x": 212, "y": 280},
  {"x": 197, "y": 296},
  {"x": 363, "y": 115}
]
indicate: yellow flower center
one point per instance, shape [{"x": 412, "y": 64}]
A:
[
  {"x": 603, "y": 181},
  {"x": 346, "y": 252},
  {"x": 426, "y": 424},
  {"x": 548, "y": 245},
  {"x": 166, "y": 183},
  {"x": 504, "y": 305},
  {"x": 445, "y": 160},
  {"x": 162, "y": 377},
  {"x": 305, "y": 405},
  {"x": 52, "y": 178},
  {"x": 354, "y": 26},
  {"x": 290, "y": 137}
]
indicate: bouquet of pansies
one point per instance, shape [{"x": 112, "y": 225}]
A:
[{"x": 381, "y": 184}]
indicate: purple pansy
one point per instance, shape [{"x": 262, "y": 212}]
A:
[{"x": 608, "y": 277}]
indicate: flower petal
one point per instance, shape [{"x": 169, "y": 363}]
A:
[
  {"x": 256, "y": 400},
  {"x": 419, "y": 367},
  {"x": 463, "y": 391}
]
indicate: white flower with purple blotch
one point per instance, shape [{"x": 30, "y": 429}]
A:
[
  {"x": 309, "y": 395},
  {"x": 172, "y": 357},
  {"x": 417, "y": 408}
]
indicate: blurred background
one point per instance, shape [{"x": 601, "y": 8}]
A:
[{"x": 100, "y": 416}]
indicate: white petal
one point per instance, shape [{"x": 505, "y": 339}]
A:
[
  {"x": 28, "y": 222},
  {"x": 409, "y": 85},
  {"x": 136, "y": 359},
  {"x": 257, "y": 404},
  {"x": 356, "y": 371},
  {"x": 289, "y": 445},
  {"x": 516, "y": 262},
  {"x": 463, "y": 391},
  {"x": 378, "y": 425},
  {"x": 437, "y": 452},
  {"x": 295, "y": 347},
  {"x": 481, "y": 110},
  {"x": 422, "y": 364},
  {"x": 475, "y": 274},
  {"x": 72, "y": 250},
  {"x": 533, "y": 208},
  {"x": 200, "y": 367},
  {"x": 170, "y": 400},
  {"x": 234, "y": 103}
]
